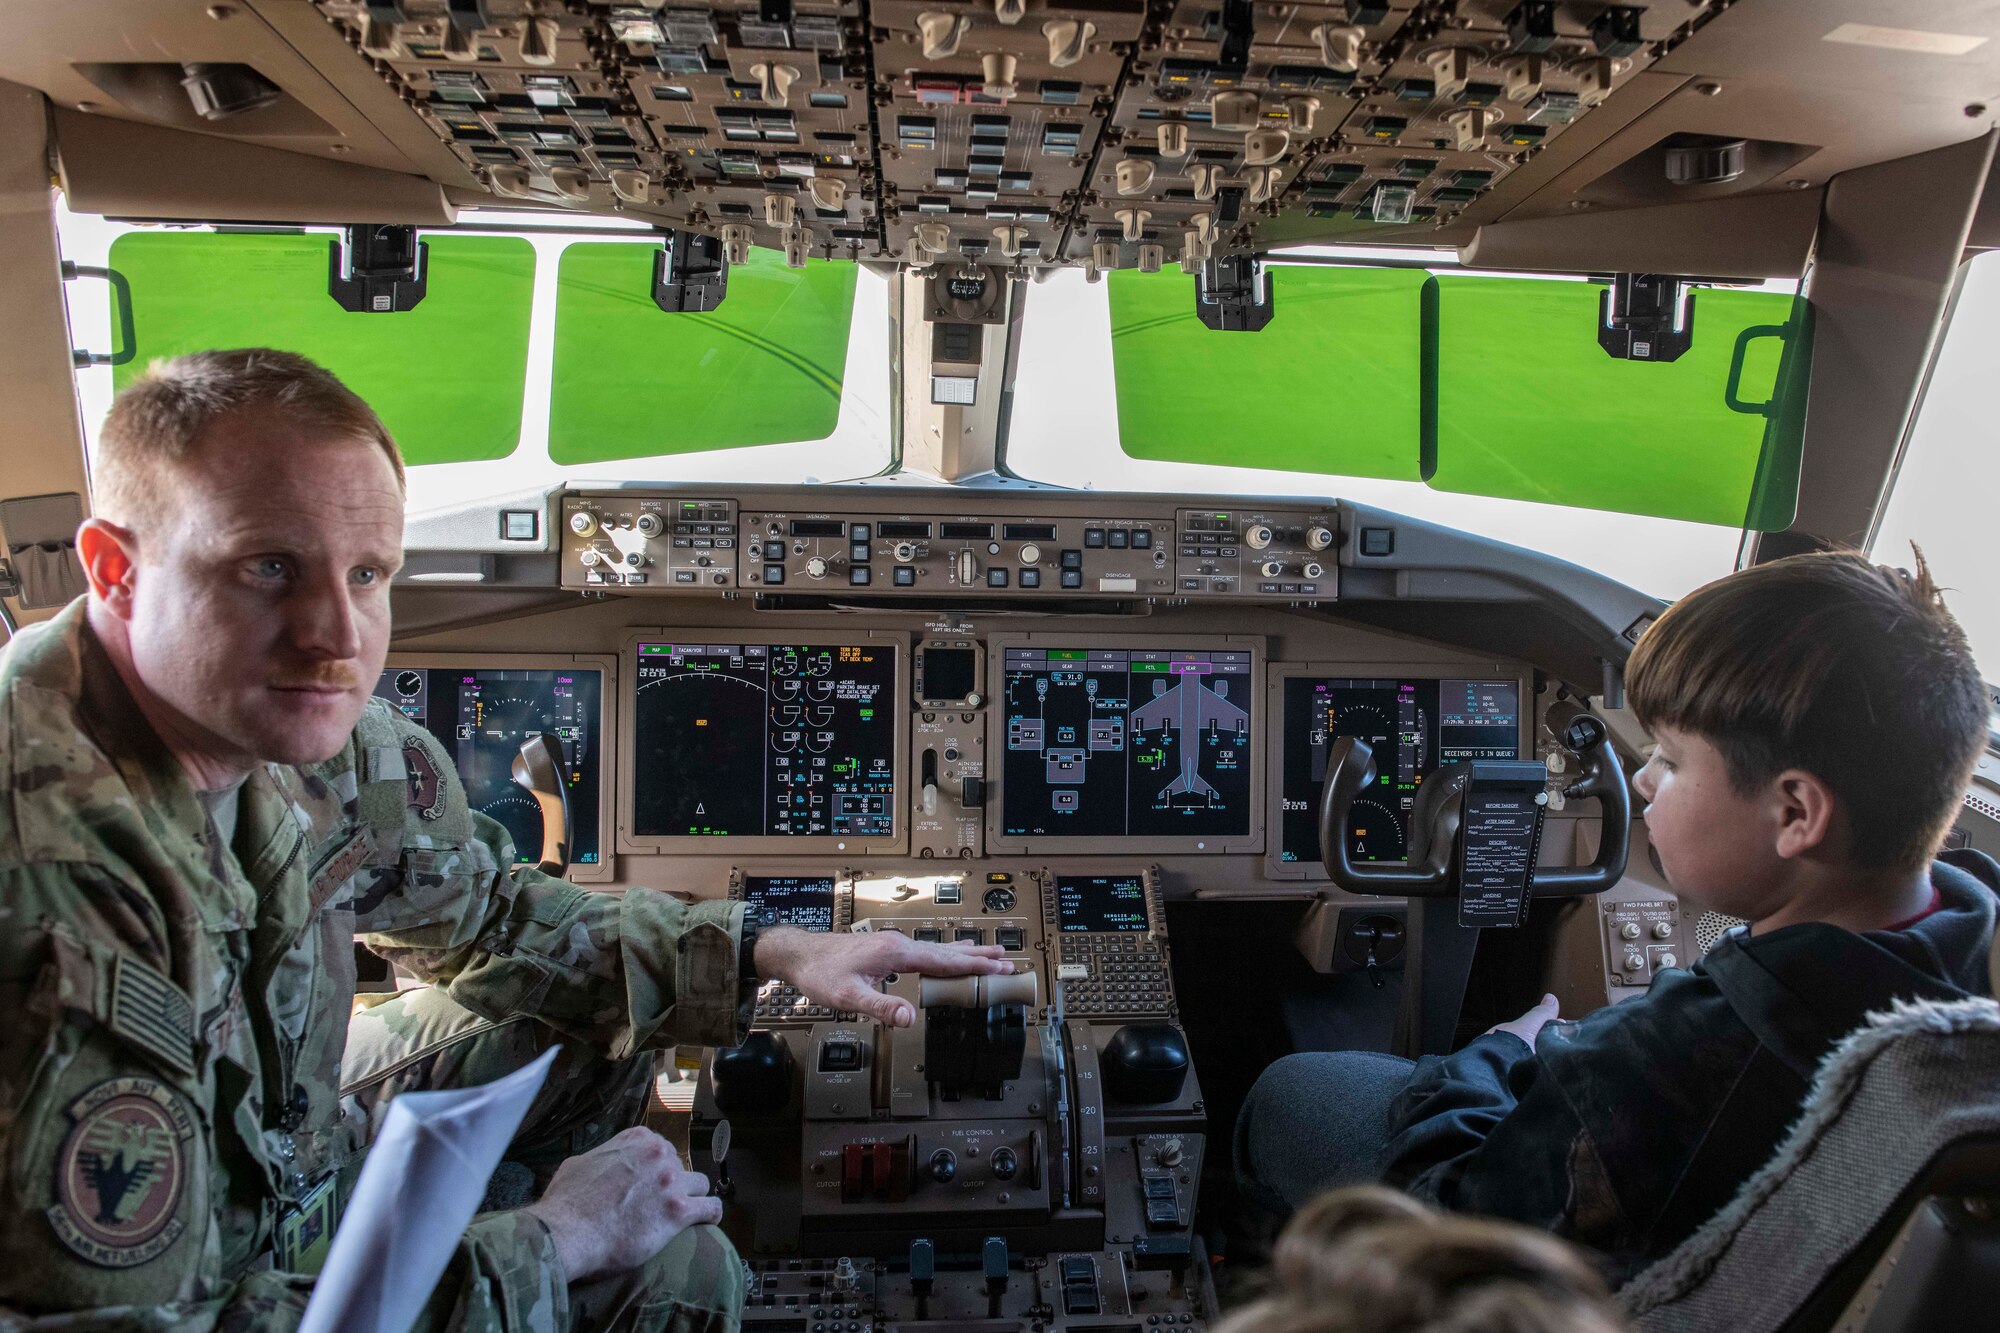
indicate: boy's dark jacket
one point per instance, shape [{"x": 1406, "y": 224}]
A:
[{"x": 1629, "y": 1129}]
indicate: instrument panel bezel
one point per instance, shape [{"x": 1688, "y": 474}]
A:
[
  {"x": 1139, "y": 847},
  {"x": 608, "y": 701},
  {"x": 739, "y": 846},
  {"x": 1275, "y": 867}
]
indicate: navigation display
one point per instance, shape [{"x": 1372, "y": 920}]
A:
[
  {"x": 1088, "y": 904},
  {"x": 1412, "y": 725},
  {"x": 1127, "y": 742},
  {"x": 805, "y": 901},
  {"x": 764, "y": 740},
  {"x": 481, "y": 715}
]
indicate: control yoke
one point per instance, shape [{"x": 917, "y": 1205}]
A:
[
  {"x": 538, "y": 768},
  {"x": 1439, "y": 812}
]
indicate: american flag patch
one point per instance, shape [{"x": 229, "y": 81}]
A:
[{"x": 151, "y": 1012}]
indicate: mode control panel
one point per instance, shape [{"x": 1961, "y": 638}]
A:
[
  {"x": 1260, "y": 551},
  {"x": 776, "y": 542},
  {"x": 938, "y": 554},
  {"x": 633, "y": 540}
]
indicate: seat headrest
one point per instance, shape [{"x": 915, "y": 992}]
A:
[{"x": 1993, "y": 965}]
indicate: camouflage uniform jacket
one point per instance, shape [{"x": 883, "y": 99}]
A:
[{"x": 176, "y": 1014}]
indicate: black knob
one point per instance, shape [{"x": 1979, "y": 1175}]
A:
[
  {"x": 1005, "y": 1164},
  {"x": 754, "y": 1078},
  {"x": 1146, "y": 1063},
  {"x": 943, "y": 1166}
]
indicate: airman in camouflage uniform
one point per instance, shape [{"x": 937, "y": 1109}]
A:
[
  {"x": 170, "y": 1085},
  {"x": 183, "y": 873}
]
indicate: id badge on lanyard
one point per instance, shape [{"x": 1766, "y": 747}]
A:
[{"x": 305, "y": 1229}]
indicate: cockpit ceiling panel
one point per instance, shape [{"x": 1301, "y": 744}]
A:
[{"x": 1113, "y": 134}]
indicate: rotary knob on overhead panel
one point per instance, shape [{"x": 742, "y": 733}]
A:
[
  {"x": 1663, "y": 930},
  {"x": 1668, "y": 960},
  {"x": 650, "y": 526},
  {"x": 1634, "y": 963},
  {"x": 583, "y": 523},
  {"x": 1629, "y": 931},
  {"x": 816, "y": 567},
  {"x": 1257, "y": 536},
  {"x": 1319, "y": 537}
]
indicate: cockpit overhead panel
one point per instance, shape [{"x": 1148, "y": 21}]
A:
[
  {"x": 1147, "y": 740},
  {"x": 481, "y": 709},
  {"x": 773, "y": 744}
]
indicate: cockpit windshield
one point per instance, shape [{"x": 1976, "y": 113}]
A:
[{"x": 532, "y": 356}]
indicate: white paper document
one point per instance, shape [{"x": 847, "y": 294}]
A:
[{"x": 422, "y": 1183}]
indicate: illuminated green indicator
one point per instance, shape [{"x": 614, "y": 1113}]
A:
[
  {"x": 1157, "y": 667},
  {"x": 867, "y": 713},
  {"x": 1068, "y": 654}
]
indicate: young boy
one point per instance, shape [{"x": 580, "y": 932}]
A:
[{"x": 1816, "y": 720}]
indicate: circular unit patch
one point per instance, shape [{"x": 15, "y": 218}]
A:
[{"x": 122, "y": 1171}]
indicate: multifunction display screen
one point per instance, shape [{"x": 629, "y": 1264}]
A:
[
  {"x": 764, "y": 740},
  {"x": 481, "y": 716},
  {"x": 1087, "y": 904},
  {"x": 1411, "y": 725},
  {"x": 1127, "y": 742},
  {"x": 805, "y": 901}
]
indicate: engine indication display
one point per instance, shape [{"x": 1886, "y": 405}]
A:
[
  {"x": 1094, "y": 904},
  {"x": 1412, "y": 725},
  {"x": 805, "y": 901},
  {"x": 764, "y": 740},
  {"x": 1127, "y": 742},
  {"x": 481, "y": 715}
]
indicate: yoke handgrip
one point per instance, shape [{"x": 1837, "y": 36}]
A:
[
  {"x": 1604, "y": 778},
  {"x": 538, "y": 769}
]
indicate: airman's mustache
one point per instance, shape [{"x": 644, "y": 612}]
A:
[{"x": 325, "y": 676}]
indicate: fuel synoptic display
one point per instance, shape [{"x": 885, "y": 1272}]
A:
[
  {"x": 481, "y": 716},
  {"x": 1127, "y": 742},
  {"x": 1411, "y": 725},
  {"x": 764, "y": 740}
]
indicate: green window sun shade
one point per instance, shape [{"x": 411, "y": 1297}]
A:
[
  {"x": 447, "y": 378},
  {"x": 1331, "y": 384},
  {"x": 632, "y": 381},
  {"x": 1528, "y": 406}
]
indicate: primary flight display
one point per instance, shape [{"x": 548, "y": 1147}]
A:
[
  {"x": 1411, "y": 724},
  {"x": 1127, "y": 742},
  {"x": 481, "y": 715},
  {"x": 764, "y": 740}
]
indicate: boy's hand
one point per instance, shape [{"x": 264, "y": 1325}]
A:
[{"x": 1529, "y": 1025}]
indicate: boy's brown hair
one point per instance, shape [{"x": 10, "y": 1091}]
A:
[
  {"x": 1851, "y": 671},
  {"x": 1369, "y": 1260}
]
